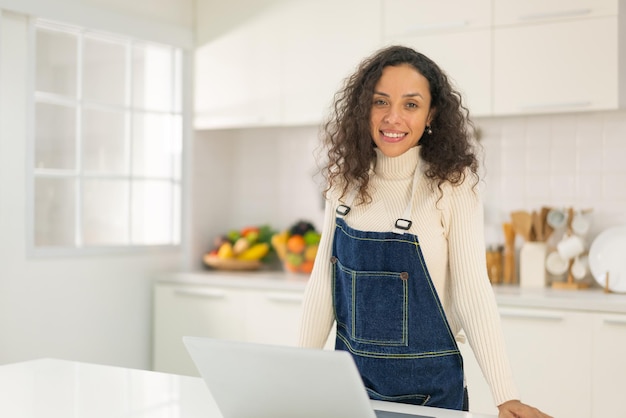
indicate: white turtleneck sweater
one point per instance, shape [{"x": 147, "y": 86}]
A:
[{"x": 451, "y": 237}]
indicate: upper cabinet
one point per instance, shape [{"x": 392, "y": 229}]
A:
[
  {"x": 456, "y": 35},
  {"x": 512, "y": 12},
  {"x": 280, "y": 62},
  {"x": 238, "y": 74},
  {"x": 283, "y": 64},
  {"x": 556, "y": 56}
]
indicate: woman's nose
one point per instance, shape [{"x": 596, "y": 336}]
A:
[{"x": 391, "y": 116}]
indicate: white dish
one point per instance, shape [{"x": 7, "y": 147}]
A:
[
  {"x": 555, "y": 264},
  {"x": 608, "y": 254}
]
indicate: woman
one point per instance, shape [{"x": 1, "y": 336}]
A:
[{"x": 401, "y": 265}]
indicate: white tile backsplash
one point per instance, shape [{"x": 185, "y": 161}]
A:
[
  {"x": 576, "y": 160},
  {"x": 268, "y": 174}
]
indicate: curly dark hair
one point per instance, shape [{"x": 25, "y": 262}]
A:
[{"x": 346, "y": 136}]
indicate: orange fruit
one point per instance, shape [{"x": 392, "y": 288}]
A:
[
  {"x": 306, "y": 266},
  {"x": 296, "y": 244}
]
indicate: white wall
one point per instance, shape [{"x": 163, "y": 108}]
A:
[
  {"x": 95, "y": 308},
  {"x": 569, "y": 160}
]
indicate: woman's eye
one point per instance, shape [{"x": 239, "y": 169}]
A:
[
  {"x": 411, "y": 105},
  {"x": 379, "y": 102}
]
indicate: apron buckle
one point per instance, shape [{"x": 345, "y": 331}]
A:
[
  {"x": 342, "y": 210},
  {"x": 404, "y": 224}
]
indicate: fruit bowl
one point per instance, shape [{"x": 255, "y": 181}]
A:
[
  {"x": 297, "y": 247},
  {"x": 214, "y": 261},
  {"x": 245, "y": 249}
]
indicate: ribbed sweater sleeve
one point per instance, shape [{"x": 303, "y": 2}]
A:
[
  {"x": 450, "y": 229},
  {"x": 318, "y": 316}
]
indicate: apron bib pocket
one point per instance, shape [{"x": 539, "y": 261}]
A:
[{"x": 375, "y": 304}]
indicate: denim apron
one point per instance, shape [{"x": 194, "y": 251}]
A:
[{"x": 390, "y": 318}]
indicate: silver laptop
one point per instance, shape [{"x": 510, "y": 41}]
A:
[{"x": 266, "y": 381}]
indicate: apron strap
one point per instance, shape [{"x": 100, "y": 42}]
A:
[{"x": 402, "y": 225}]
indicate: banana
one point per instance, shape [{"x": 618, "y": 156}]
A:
[
  {"x": 279, "y": 242},
  {"x": 255, "y": 252}
]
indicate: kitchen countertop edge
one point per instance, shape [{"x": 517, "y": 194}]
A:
[{"x": 588, "y": 300}]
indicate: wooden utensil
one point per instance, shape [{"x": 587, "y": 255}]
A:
[
  {"x": 547, "y": 229},
  {"x": 508, "y": 274},
  {"x": 522, "y": 224},
  {"x": 537, "y": 234}
]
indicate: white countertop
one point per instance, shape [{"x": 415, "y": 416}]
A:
[
  {"x": 49, "y": 388},
  {"x": 591, "y": 300}
]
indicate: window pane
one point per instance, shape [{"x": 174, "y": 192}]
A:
[
  {"x": 152, "y": 77},
  {"x": 152, "y": 212},
  {"x": 104, "y": 141},
  {"x": 105, "y": 212},
  {"x": 104, "y": 66},
  {"x": 55, "y": 136},
  {"x": 56, "y": 56},
  {"x": 157, "y": 142},
  {"x": 178, "y": 81},
  {"x": 176, "y": 234},
  {"x": 54, "y": 212}
]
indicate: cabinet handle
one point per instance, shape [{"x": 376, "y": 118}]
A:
[
  {"x": 614, "y": 321},
  {"x": 531, "y": 315},
  {"x": 284, "y": 297},
  {"x": 554, "y": 15},
  {"x": 205, "y": 293},
  {"x": 546, "y": 106}
]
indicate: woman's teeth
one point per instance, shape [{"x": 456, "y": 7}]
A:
[{"x": 393, "y": 135}]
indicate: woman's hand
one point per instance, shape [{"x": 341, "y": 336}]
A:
[{"x": 516, "y": 409}]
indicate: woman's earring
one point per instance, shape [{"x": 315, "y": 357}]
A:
[{"x": 428, "y": 130}]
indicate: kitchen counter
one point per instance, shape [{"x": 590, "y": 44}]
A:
[
  {"x": 50, "y": 388},
  {"x": 589, "y": 300}
]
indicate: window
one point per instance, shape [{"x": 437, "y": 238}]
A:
[{"x": 107, "y": 140}]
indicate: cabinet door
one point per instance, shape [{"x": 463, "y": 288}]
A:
[
  {"x": 414, "y": 17},
  {"x": 197, "y": 311},
  {"x": 469, "y": 66},
  {"x": 238, "y": 75},
  {"x": 550, "y": 354},
  {"x": 510, "y": 12},
  {"x": 558, "y": 67},
  {"x": 609, "y": 366},
  {"x": 324, "y": 41},
  {"x": 273, "y": 317}
]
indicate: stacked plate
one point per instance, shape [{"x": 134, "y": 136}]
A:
[{"x": 607, "y": 259}]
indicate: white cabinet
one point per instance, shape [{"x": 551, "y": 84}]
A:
[
  {"x": 609, "y": 366},
  {"x": 323, "y": 44},
  {"x": 237, "y": 76},
  {"x": 197, "y": 311},
  {"x": 550, "y": 353},
  {"x": 273, "y": 316},
  {"x": 414, "y": 17},
  {"x": 457, "y": 36},
  {"x": 282, "y": 65},
  {"x": 260, "y": 315},
  {"x": 556, "y": 56},
  {"x": 511, "y": 12}
]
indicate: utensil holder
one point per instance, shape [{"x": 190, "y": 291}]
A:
[{"x": 532, "y": 265}]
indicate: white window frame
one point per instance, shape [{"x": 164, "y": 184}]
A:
[{"x": 177, "y": 234}]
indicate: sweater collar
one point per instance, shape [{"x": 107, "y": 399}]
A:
[{"x": 399, "y": 167}]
